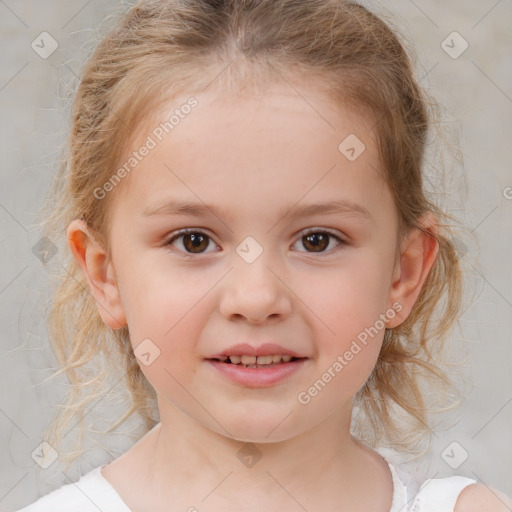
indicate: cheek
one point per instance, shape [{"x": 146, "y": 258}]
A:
[
  {"x": 173, "y": 322},
  {"x": 348, "y": 298},
  {"x": 348, "y": 305},
  {"x": 173, "y": 336},
  {"x": 158, "y": 298},
  {"x": 165, "y": 320}
]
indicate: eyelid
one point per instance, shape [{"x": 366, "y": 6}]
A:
[
  {"x": 342, "y": 241},
  {"x": 185, "y": 231},
  {"x": 304, "y": 232},
  {"x": 334, "y": 234}
]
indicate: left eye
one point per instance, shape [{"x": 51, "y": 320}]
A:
[{"x": 319, "y": 240}]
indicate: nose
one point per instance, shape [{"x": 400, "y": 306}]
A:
[{"x": 255, "y": 291}]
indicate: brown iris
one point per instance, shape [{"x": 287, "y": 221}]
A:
[
  {"x": 319, "y": 241},
  {"x": 193, "y": 241}
]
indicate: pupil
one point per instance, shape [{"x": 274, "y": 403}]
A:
[
  {"x": 195, "y": 241},
  {"x": 317, "y": 240}
]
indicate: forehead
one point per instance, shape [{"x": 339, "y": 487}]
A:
[{"x": 280, "y": 143}]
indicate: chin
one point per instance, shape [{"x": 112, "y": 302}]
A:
[{"x": 259, "y": 426}]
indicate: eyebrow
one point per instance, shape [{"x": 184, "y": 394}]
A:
[{"x": 343, "y": 207}]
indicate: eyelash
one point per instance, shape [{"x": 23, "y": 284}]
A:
[{"x": 302, "y": 234}]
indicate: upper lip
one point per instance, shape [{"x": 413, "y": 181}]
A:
[{"x": 267, "y": 349}]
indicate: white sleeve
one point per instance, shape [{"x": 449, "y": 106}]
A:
[
  {"x": 440, "y": 495},
  {"x": 91, "y": 493}
]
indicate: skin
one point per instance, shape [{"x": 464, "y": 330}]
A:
[{"x": 254, "y": 156}]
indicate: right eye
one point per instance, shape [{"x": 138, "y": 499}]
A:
[{"x": 193, "y": 241}]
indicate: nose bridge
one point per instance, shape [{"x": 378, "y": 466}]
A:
[{"x": 253, "y": 288}]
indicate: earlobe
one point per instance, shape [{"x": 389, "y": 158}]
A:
[
  {"x": 99, "y": 273},
  {"x": 419, "y": 254}
]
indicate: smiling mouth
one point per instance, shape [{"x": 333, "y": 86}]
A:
[{"x": 258, "y": 362}]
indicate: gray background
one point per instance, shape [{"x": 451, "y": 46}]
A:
[{"x": 476, "y": 91}]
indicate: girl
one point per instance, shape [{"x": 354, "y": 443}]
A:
[{"x": 251, "y": 243}]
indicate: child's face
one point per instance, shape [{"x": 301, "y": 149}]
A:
[{"x": 255, "y": 162}]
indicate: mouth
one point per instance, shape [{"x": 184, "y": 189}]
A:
[
  {"x": 257, "y": 371},
  {"x": 258, "y": 362}
]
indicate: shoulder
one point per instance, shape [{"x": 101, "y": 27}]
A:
[
  {"x": 58, "y": 500},
  {"x": 90, "y": 493},
  {"x": 480, "y": 498}
]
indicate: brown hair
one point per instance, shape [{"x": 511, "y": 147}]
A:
[{"x": 164, "y": 47}]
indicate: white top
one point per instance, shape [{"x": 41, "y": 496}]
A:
[{"x": 93, "y": 492}]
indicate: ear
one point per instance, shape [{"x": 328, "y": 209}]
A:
[
  {"x": 418, "y": 255},
  {"x": 99, "y": 272}
]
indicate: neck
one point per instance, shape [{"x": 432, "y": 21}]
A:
[{"x": 188, "y": 464}]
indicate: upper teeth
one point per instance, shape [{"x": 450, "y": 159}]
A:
[{"x": 257, "y": 360}]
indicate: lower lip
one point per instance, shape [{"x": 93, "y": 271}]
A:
[{"x": 257, "y": 377}]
